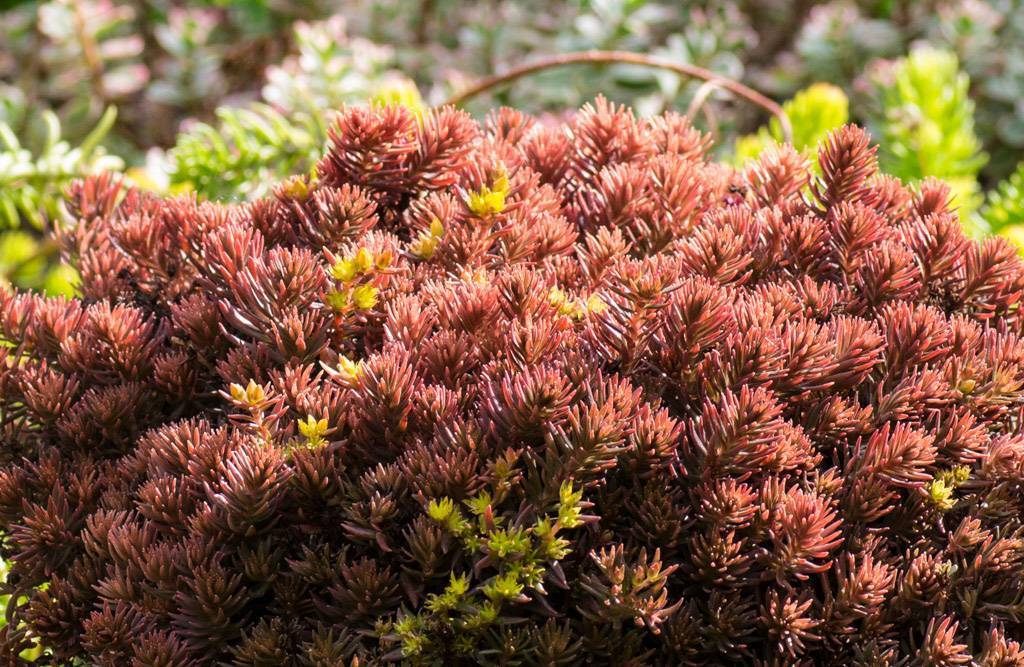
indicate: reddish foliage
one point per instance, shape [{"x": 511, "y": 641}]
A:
[{"x": 792, "y": 404}]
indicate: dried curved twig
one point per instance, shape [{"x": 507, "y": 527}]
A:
[
  {"x": 699, "y": 103},
  {"x": 608, "y": 57}
]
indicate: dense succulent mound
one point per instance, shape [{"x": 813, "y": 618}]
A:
[{"x": 522, "y": 394}]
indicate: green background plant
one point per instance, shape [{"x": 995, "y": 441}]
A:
[
  {"x": 33, "y": 176},
  {"x": 924, "y": 124}
]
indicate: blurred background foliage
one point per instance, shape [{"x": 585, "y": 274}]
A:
[{"x": 224, "y": 97}]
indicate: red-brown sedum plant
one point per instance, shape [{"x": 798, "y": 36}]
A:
[{"x": 521, "y": 394}]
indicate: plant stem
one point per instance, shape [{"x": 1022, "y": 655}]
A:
[
  {"x": 607, "y": 57},
  {"x": 89, "y": 52}
]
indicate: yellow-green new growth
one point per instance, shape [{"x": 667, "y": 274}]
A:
[
  {"x": 251, "y": 395},
  {"x": 313, "y": 430},
  {"x": 364, "y": 297},
  {"x": 520, "y": 556},
  {"x": 361, "y": 265},
  {"x": 452, "y": 596},
  {"x": 299, "y": 187},
  {"x": 576, "y": 308},
  {"x": 426, "y": 243},
  {"x": 346, "y": 371},
  {"x": 504, "y": 587},
  {"x": 489, "y": 200},
  {"x": 940, "y": 491},
  {"x": 445, "y": 512}
]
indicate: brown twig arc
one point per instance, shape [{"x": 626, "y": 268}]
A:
[{"x": 610, "y": 57}]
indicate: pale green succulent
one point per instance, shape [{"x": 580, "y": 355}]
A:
[
  {"x": 925, "y": 125},
  {"x": 1005, "y": 205}
]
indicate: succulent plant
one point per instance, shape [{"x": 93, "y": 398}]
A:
[
  {"x": 1004, "y": 207},
  {"x": 925, "y": 123},
  {"x": 525, "y": 392}
]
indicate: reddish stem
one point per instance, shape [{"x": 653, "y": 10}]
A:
[{"x": 608, "y": 57}]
